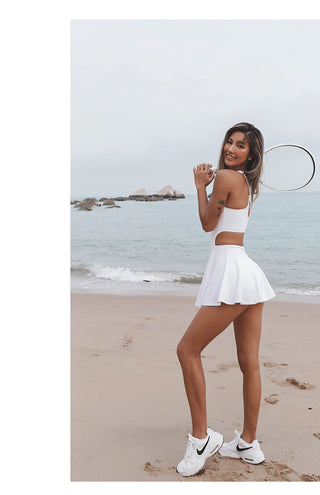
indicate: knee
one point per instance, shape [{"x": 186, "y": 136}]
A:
[
  {"x": 181, "y": 351},
  {"x": 248, "y": 364},
  {"x": 184, "y": 353}
]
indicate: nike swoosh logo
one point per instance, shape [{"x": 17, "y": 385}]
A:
[
  {"x": 200, "y": 452},
  {"x": 239, "y": 449}
]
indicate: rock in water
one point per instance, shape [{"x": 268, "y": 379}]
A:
[
  {"x": 84, "y": 207},
  {"x": 166, "y": 191},
  {"x": 120, "y": 198},
  {"x": 178, "y": 194},
  {"x": 140, "y": 192},
  {"x": 86, "y": 204}
]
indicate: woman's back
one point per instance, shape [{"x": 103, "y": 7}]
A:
[{"x": 234, "y": 218}]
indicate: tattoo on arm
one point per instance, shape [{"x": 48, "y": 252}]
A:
[{"x": 221, "y": 202}]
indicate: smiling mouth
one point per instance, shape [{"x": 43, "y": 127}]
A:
[{"x": 230, "y": 157}]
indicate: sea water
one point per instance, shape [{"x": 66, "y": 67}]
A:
[{"x": 160, "y": 247}]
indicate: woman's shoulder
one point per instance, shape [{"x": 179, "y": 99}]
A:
[
  {"x": 227, "y": 175},
  {"x": 228, "y": 172}
]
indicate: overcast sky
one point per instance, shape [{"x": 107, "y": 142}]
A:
[{"x": 151, "y": 99}]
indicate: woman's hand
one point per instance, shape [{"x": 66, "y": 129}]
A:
[{"x": 203, "y": 175}]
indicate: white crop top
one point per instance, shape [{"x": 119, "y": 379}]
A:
[{"x": 232, "y": 219}]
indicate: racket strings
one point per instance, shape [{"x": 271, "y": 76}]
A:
[{"x": 287, "y": 168}]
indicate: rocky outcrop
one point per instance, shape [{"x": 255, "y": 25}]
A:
[
  {"x": 86, "y": 204},
  {"x": 178, "y": 194},
  {"x": 152, "y": 197},
  {"x": 140, "y": 192},
  {"x": 167, "y": 192},
  {"x": 121, "y": 198}
]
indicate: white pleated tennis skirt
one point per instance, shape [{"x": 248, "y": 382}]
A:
[{"x": 232, "y": 277}]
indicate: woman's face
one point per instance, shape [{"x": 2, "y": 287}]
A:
[{"x": 236, "y": 150}]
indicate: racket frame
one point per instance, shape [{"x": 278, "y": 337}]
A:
[{"x": 296, "y": 146}]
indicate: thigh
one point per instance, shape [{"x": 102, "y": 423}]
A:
[
  {"x": 247, "y": 331},
  {"x": 208, "y": 323}
]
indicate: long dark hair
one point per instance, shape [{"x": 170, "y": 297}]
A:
[{"x": 253, "y": 170}]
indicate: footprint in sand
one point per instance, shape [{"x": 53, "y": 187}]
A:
[
  {"x": 152, "y": 469},
  {"x": 276, "y": 471},
  {"x": 271, "y": 399},
  {"x": 299, "y": 385},
  {"x": 273, "y": 365},
  {"x": 224, "y": 367},
  {"x": 227, "y": 469},
  {"x": 295, "y": 383},
  {"x": 310, "y": 477},
  {"x": 127, "y": 341}
]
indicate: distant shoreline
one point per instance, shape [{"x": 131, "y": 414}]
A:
[{"x": 81, "y": 197}]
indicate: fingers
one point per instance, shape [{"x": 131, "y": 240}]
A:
[{"x": 203, "y": 167}]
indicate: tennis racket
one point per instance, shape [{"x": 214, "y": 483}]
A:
[{"x": 287, "y": 167}]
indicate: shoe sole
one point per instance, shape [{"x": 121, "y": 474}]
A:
[
  {"x": 251, "y": 462},
  {"x": 243, "y": 459},
  {"x": 214, "y": 451}
]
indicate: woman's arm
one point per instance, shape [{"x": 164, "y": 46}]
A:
[{"x": 210, "y": 211}]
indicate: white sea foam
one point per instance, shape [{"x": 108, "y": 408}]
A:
[
  {"x": 123, "y": 274},
  {"x": 302, "y": 291}
]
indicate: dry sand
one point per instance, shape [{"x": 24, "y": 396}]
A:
[{"x": 130, "y": 416}]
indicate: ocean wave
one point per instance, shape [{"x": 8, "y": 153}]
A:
[
  {"x": 299, "y": 291},
  {"x": 123, "y": 274},
  {"x": 80, "y": 269},
  {"x": 131, "y": 275}
]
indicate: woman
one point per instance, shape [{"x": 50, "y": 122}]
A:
[{"x": 233, "y": 289}]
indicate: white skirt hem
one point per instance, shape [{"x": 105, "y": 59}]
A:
[
  {"x": 218, "y": 303},
  {"x": 231, "y": 277}
]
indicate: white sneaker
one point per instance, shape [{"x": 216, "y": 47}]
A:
[
  {"x": 198, "y": 450},
  {"x": 240, "y": 449}
]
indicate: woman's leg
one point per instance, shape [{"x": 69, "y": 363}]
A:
[
  {"x": 247, "y": 330},
  {"x": 209, "y": 322}
]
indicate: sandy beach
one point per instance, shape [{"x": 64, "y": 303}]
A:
[{"x": 130, "y": 416}]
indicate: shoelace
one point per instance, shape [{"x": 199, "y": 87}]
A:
[
  {"x": 190, "y": 447},
  {"x": 237, "y": 438}
]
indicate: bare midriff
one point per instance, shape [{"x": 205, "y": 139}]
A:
[{"x": 235, "y": 238}]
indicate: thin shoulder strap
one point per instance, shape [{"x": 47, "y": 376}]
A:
[{"x": 249, "y": 187}]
